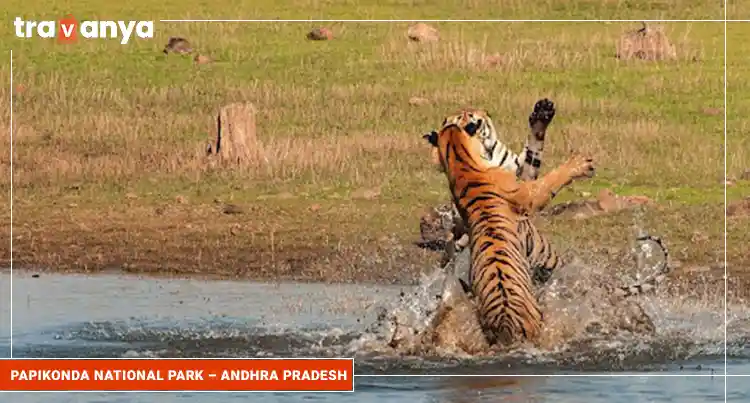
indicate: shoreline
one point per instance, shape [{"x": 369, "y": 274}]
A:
[{"x": 684, "y": 279}]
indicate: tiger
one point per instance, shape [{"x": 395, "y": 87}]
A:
[
  {"x": 525, "y": 165},
  {"x": 450, "y": 226},
  {"x": 492, "y": 203}
]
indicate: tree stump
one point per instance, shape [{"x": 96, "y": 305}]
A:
[{"x": 236, "y": 139}]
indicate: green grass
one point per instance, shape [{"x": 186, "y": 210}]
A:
[
  {"x": 738, "y": 144},
  {"x": 379, "y": 9},
  {"x": 98, "y": 121}
]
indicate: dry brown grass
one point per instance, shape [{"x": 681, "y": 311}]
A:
[
  {"x": 646, "y": 43},
  {"x": 334, "y": 118}
]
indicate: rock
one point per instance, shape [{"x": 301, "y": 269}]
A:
[
  {"x": 202, "y": 59},
  {"x": 713, "y": 111},
  {"x": 421, "y": 32},
  {"x": 631, "y": 201},
  {"x": 178, "y": 45},
  {"x": 231, "y": 209},
  {"x": 494, "y": 60},
  {"x": 435, "y": 229},
  {"x": 320, "y": 34},
  {"x": 606, "y": 202}
]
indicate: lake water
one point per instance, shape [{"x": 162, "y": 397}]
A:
[{"x": 127, "y": 316}]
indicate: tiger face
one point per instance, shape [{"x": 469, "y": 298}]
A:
[
  {"x": 484, "y": 130},
  {"x": 466, "y": 138}
]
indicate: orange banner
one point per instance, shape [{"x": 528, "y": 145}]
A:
[{"x": 292, "y": 374}]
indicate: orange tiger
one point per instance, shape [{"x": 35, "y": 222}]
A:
[{"x": 492, "y": 203}]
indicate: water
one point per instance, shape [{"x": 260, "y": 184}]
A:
[{"x": 128, "y": 316}]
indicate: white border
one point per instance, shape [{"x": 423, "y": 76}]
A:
[{"x": 725, "y": 375}]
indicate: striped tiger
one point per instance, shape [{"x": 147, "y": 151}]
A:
[
  {"x": 492, "y": 203},
  {"x": 444, "y": 220}
]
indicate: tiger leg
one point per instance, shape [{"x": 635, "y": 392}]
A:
[
  {"x": 508, "y": 308},
  {"x": 541, "y": 254},
  {"x": 533, "y": 196},
  {"x": 539, "y": 120}
]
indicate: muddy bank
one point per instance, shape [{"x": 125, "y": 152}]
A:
[
  {"x": 384, "y": 261},
  {"x": 358, "y": 242}
]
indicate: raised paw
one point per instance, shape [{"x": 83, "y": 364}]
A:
[
  {"x": 581, "y": 166},
  {"x": 544, "y": 111}
]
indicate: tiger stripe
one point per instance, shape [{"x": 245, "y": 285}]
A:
[{"x": 492, "y": 203}]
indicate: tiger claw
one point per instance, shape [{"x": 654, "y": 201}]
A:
[
  {"x": 582, "y": 166},
  {"x": 544, "y": 112}
]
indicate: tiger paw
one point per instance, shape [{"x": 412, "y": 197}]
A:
[
  {"x": 581, "y": 166},
  {"x": 541, "y": 116}
]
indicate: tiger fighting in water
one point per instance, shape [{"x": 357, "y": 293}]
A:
[
  {"x": 445, "y": 219},
  {"x": 492, "y": 203},
  {"x": 540, "y": 258},
  {"x": 542, "y": 255},
  {"x": 455, "y": 320}
]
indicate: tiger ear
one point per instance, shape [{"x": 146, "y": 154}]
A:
[
  {"x": 472, "y": 127},
  {"x": 431, "y": 137}
]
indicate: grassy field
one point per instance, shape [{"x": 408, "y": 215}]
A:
[
  {"x": 380, "y": 9},
  {"x": 738, "y": 143},
  {"x": 738, "y": 9},
  {"x": 109, "y": 168}
]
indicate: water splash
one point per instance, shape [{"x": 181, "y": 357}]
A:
[
  {"x": 589, "y": 327},
  {"x": 249, "y": 320}
]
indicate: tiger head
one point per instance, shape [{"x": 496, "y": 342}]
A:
[
  {"x": 455, "y": 145},
  {"x": 485, "y": 131}
]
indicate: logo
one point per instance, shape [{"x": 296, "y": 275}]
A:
[{"x": 68, "y": 29}]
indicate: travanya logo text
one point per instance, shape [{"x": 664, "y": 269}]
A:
[{"x": 68, "y": 29}]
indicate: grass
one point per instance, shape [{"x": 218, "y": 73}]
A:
[
  {"x": 737, "y": 10},
  {"x": 391, "y": 9},
  {"x": 738, "y": 145},
  {"x": 109, "y": 170}
]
